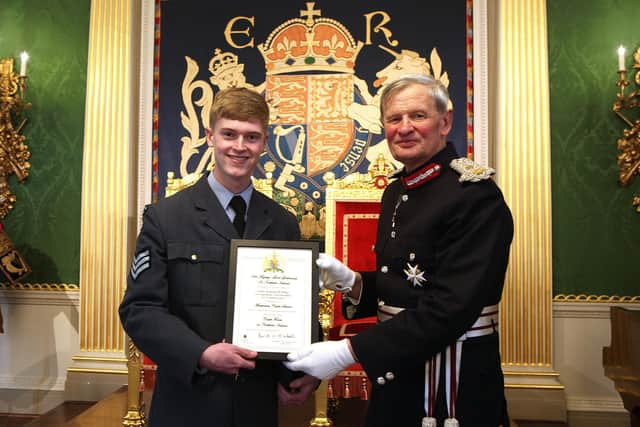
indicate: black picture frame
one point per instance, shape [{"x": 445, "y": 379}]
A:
[{"x": 264, "y": 311}]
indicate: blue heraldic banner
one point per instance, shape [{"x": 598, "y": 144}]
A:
[{"x": 321, "y": 66}]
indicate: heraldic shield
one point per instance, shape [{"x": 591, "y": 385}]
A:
[{"x": 310, "y": 130}]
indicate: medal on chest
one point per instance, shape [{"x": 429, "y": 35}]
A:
[{"x": 415, "y": 275}]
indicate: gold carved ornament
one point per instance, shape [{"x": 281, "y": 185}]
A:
[
  {"x": 14, "y": 156},
  {"x": 627, "y": 106},
  {"x": 14, "y": 153}
]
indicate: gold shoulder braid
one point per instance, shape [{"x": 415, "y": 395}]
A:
[{"x": 470, "y": 170}]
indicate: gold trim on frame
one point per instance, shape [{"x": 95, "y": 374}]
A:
[
  {"x": 100, "y": 359},
  {"x": 534, "y": 386},
  {"x": 97, "y": 371},
  {"x": 332, "y": 194},
  {"x": 55, "y": 287},
  {"x": 532, "y": 374},
  {"x": 62, "y": 287},
  {"x": 596, "y": 298}
]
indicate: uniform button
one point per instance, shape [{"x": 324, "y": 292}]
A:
[
  {"x": 389, "y": 376},
  {"x": 384, "y": 269},
  {"x": 194, "y": 257},
  {"x": 405, "y": 197},
  {"x": 380, "y": 381},
  {"x": 393, "y": 234}
]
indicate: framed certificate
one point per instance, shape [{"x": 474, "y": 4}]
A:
[{"x": 273, "y": 296}]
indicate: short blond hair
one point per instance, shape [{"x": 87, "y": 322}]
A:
[{"x": 239, "y": 103}]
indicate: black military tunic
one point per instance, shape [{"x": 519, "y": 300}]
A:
[{"x": 442, "y": 250}]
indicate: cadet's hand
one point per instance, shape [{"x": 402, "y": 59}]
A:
[
  {"x": 227, "y": 358},
  {"x": 335, "y": 275},
  {"x": 298, "y": 391},
  {"x": 322, "y": 360}
]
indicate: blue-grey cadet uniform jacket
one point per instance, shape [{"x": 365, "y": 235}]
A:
[{"x": 175, "y": 306}]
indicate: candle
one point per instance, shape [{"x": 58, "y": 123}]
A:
[
  {"x": 24, "y": 57},
  {"x": 621, "y": 51}
]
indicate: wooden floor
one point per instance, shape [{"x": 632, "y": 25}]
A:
[
  {"x": 57, "y": 417},
  {"x": 109, "y": 412}
]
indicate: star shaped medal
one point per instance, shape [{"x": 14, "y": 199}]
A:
[{"x": 414, "y": 275}]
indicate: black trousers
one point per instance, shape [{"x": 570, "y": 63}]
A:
[{"x": 480, "y": 403}]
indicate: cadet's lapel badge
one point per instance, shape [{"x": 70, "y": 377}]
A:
[
  {"x": 470, "y": 170},
  {"x": 140, "y": 263},
  {"x": 415, "y": 276}
]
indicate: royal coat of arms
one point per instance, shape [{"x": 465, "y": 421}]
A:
[{"x": 325, "y": 122}]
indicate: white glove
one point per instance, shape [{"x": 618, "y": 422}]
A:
[
  {"x": 335, "y": 275},
  {"x": 322, "y": 360}
]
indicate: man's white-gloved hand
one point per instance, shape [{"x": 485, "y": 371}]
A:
[
  {"x": 322, "y": 360},
  {"x": 335, "y": 275}
]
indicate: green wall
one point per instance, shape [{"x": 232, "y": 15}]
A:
[
  {"x": 45, "y": 223},
  {"x": 596, "y": 231}
]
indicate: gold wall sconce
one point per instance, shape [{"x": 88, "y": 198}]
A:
[
  {"x": 14, "y": 153},
  {"x": 14, "y": 157},
  {"x": 627, "y": 107}
]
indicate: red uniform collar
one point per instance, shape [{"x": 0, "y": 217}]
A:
[{"x": 421, "y": 176}]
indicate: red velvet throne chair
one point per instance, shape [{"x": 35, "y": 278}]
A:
[{"x": 352, "y": 210}]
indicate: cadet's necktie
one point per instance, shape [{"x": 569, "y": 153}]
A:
[{"x": 240, "y": 207}]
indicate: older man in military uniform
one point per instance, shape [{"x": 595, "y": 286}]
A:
[{"x": 442, "y": 251}]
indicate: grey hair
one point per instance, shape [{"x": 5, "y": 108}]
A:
[{"x": 436, "y": 89}]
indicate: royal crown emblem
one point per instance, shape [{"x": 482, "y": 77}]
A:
[
  {"x": 324, "y": 120},
  {"x": 310, "y": 42},
  {"x": 273, "y": 263},
  {"x": 222, "y": 62}
]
